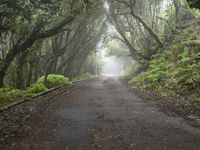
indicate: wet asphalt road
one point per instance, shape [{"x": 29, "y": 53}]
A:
[{"x": 102, "y": 114}]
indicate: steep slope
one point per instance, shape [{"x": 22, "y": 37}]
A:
[{"x": 176, "y": 73}]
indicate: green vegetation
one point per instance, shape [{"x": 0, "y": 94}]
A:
[
  {"x": 36, "y": 88},
  {"x": 53, "y": 80},
  {"x": 8, "y": 95},
  {"x": 48, "y": 37},
  {"x": 176, "y": 72},
  {"x": 194, "y": 3},
  {"x": 83, "y": 76}
]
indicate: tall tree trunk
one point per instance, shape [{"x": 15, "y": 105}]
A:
[
  {"x": 30, "y": 74},
  {"x": 36, "y": 70},
  {"x": 151, "y": 32},
  {"x": 145, "y": 25},
  {"x": 177, "y": 10},
  {"x": 21, "y": 61},
  {"x": 34, "y": 36},
  {"x": 50, "y": 63},
  {"x": 54, "y": 67},
  {"x": 11, "y": 55}
]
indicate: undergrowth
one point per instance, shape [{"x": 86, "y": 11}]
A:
[
  {"x": 8, "y": 95},
  {"x": 53, "y": 80},
  {"x": 176, "y": 72}
]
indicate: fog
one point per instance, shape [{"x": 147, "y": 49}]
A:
[{"x": 113, "y": 66}]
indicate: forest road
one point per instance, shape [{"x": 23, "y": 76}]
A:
[{"x": 102, "y": 114}]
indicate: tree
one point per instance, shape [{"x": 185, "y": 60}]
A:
[
  {"x": 135, "y": 30},
  {"x": 41, "y": 25}
]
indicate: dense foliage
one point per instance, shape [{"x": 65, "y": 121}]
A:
[
  {"x": 51, "y": 39},
  {"x": 176, "y": 72},
  {"x": 163, "y": 40},
  {"x": 8, "y": 96},
  {"x": 47, "y": 37},
  {"x": 52, "y": 81},
  {"x": 194, "y": 3}
]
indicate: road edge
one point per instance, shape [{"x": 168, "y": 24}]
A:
[{"x": 7, "y": 107}]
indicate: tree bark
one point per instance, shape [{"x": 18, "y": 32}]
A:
[
  {"x": 36, "y": 70},
  {"x": 21, "y": 61},
  {"x": 177, "y": 9}
]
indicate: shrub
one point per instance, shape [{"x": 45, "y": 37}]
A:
[
  {"x": 192, "y": 43},
  {"x": 8, "y": 96},
  {"x": 167, "y": 55},
  {"x": 2, "y": 90},
  {"x": 36, "y": 88},
  {"x": 53, "y": 80}
]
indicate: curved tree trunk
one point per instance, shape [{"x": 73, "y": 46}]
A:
[
  {"x": 137, "y": 17},
  {"x": 177, "y": 9},
  {"x": 34, "y": 36},
  {"x": 11, "y": 55},
  {"x": 151, "y": 32}
]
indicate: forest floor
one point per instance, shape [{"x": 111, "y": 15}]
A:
[{"x": 100, "y": 113}]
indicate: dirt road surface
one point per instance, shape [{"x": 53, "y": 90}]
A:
[{"x": 99, "y": 114}]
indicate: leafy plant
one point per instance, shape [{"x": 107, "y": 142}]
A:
[
  {"x": 53, "y": 80},
  {"x": 36, "y": 88},
  {"x": 9, "y": 95}
]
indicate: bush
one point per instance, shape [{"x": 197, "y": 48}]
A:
[
  {"x": 53, "y": 80},
  {"x": 36, "y": 88},
  {"x": 192, "y": 43},
  {"x": 2, "y": 90},
  {"x": 8, "y": 95}
]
